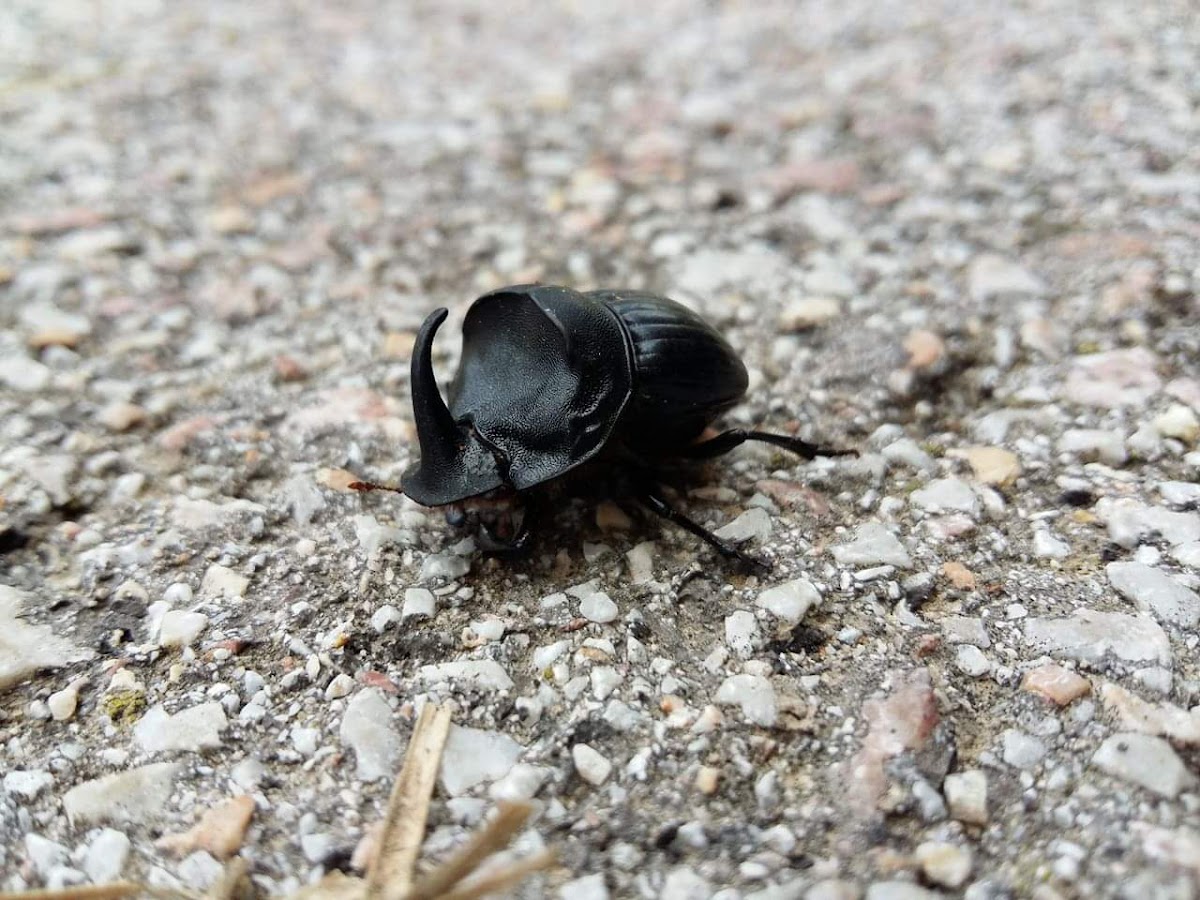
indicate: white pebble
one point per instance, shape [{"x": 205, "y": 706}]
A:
[
  {"x": 592, "y": 766},
  {"x": 419, "y": 603},
  {"x": 598, "y": 607}
]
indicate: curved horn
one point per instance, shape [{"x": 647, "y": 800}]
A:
[{"x": 436, "y": 431}]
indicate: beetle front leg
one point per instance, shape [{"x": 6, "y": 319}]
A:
[
  {"x": 519, "y": 544},
  {"x": 735, "y": 437},
  {"x": 655, "y": 502}
]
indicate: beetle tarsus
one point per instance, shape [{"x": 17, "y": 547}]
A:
[
  {"x": 735, "y": 437},
  {"x": 364, "y": 486},
  {"x": 651, "y": 498}
]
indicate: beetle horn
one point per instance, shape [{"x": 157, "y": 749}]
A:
[{"x": 436, "y": 431}]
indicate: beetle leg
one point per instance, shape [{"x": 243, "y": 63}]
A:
[
  {"x": 654, "y": 501},
  {"x": 727, "y": 440},
  {"x": 520, "y": 543}
]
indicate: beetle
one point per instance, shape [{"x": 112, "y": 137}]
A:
[{"x": 551, "y": 378}]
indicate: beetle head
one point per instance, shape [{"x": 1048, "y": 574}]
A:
[{"x": 454, "y": 463}]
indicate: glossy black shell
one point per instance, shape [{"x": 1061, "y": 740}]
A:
[
  {"x": 685, "y": 374},
  {"x": 549, "y": 377}
]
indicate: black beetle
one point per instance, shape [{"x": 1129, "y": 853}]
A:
[{"x": 550, "y": 378}]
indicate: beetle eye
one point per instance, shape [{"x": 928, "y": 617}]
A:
[{"x": 456, "y": 516}]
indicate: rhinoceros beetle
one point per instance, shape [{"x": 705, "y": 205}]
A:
[{"x": 551, "y": 378}]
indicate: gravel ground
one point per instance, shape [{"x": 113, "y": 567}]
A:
[{"x": 961, "y": 239}]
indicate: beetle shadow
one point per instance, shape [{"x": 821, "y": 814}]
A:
[{"x": 524, "y": 527}]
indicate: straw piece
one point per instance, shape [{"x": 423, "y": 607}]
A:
[
  {"x": 390, "y": 874},
  {"x": 502, "y": 878},
  {"x": 496, "y": 835}
]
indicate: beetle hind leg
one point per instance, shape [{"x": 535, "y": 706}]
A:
[
  {"x": 656, "y": 504},
  {"x": 735, "y": 437}
]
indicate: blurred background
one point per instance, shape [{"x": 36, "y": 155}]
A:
[{"x": 294, "y": 185}]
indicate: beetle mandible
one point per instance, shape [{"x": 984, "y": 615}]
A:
[{"x": 551, "y": 377}]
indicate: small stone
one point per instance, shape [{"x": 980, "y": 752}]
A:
[
  {"x": 592, "y": 766},
  {"x": 487, "y": 630},
  {"x": 522, "y": 782},
  {"x": 754, "y": 694},
  {"x": 1060, "y": 686},
  {"x": 872, "y": 545},
  {"x": 1021, "y": 750},
  {"x": 105, "y": 857},
  {"x": 444, "y": 567},
  {"x": 305, "y": 741},
  {"x": 131, "y": 796},
  {"x": 196, "y": 728},
  {"x": 46, "y": 326},
  {"x": 481, "y": 673},
  {"x": 900, "y": 890},
  {"x": 1180, "y": 494},
  {"x": 1178, "y": 422},
  {"x": 1047, "y": 545},
  {"x": 610, "y": 517},
  {"x": 1154, "y": 678},
  {"x": 248, "y": 773},
  {"x": 918, "y": 588},
  {"x": 1113, "y": 379},
  {"x": 741, "y": 633},
  {"x": 1094, "y": 444},
  {"x": 419, "y": 603},
  {"x": 683, "y": 883},
  {"x": 231, "y": 220},
  {"x": 707, "y": 780},
  {"x": 590, "y": 887},
  {"x": 62, "y": 704},
  {"x": 339, "y": 686},
  {"x": 598, "y": 607},
  {"x": 1089, "y": 637},
  {"x": 1131, "y": 523},
  {"x": 991, "y": 276},
  {"x": 908, "y": 452},
  {"x": 834, "y": 889},
  {"x": 384, "y": 617},
  {"x": 1152, "y": 590},
  {"x": 971, "y": 661},
  {"x": 790, "y": 602},
  {"x": 1181, "y": 726},
  {"x": 902, "y": 719},
  {"x": 316, "y": 846},
  {"x": 593, "y": 552},
  {"x": 45, "y": 855},
  {"x": 945, "y": 864},
  {"x": 925, "y": 350},
  {"x": 947, "y": 495},
  {"x": 809, "y": 312},
  {"x": 220, "y": 831},
  {"x": 25, "y": 648},
  {"x": 966, "y": 630},
  {"x": 753, "y": 524},
  {"x": 993, "y": 465},
  {"x": 366, "y": 729},
  {"x": 220, "y": 581},
  {"x": 181, "y": 629},
  {"x": 959, "y": 575},
  {"x": 27, "y": 784},
  {"x": 474, "y": 756},
  {"x": 641, "y": 563},
  {"x": 966, "y": 796},
  {"x": 1144, "y": 760},
  {"x": 121, "y": 416},
  {"x": 605, "y": 680}
]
